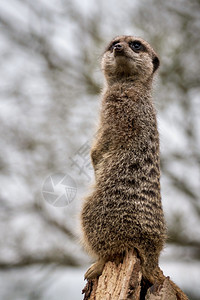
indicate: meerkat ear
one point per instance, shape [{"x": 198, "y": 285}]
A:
[{"x": 156, "y": 63}]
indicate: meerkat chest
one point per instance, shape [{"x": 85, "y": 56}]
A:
[{"x": 126, "y": 117}]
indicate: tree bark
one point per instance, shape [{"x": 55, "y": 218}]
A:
[{"x": 124, "y": 282}]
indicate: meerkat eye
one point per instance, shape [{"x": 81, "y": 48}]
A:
[{"x": 136, "y": 45}]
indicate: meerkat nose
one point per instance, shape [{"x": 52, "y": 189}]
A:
[{"x": 118, "y": 47}]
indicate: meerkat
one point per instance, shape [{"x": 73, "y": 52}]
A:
[{"x": 124, "y": 210}]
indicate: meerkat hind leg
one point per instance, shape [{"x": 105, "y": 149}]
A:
[{"x": 95, "y": 270}]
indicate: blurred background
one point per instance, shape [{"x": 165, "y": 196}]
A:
[{"x": 50, "y": 54}]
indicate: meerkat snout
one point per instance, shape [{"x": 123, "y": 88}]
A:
[{"x": 118, "y": 47}]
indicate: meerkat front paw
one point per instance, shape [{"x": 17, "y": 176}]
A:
[{"x": 95, "y": 270}]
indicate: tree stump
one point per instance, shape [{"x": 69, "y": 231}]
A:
[{"x": 124, "y": 282}]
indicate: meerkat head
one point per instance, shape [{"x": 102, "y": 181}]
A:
[{"x": 128, "y": 57}]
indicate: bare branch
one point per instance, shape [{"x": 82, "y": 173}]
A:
[{"x": 60, "y": 226}]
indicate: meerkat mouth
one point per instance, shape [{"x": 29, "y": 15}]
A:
[
  {"x": 122, "y": 55},
  {"x": 119, "y": 51}
]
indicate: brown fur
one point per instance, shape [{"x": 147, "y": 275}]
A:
[{"x": 124, "y": 211}]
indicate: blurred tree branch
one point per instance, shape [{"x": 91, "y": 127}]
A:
[
  {"x": 52, "y": 221},
  {"x": 47, "y": 259}
]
